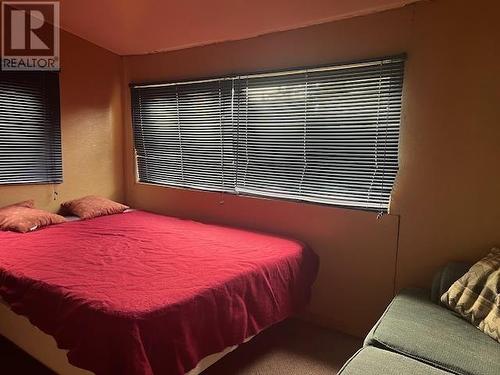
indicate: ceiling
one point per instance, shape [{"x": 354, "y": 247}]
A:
[{"x": 134, "y": 27}]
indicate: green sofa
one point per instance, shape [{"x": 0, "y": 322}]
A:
[{"x": 416, "y": 335}]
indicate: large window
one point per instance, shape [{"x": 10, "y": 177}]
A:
[
  {"x": 30, "y": 135},
  {"x": 327, "y": 135}
]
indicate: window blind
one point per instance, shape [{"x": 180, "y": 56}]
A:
[
  {"x": 184, "y": 134},
  {"x": 327, "y": 135},
  {"x": 30, "y": 135},
  {"x": 323, "y": 135}
]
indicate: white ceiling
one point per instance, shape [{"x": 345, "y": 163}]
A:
[{"x": 134, "y": 27}]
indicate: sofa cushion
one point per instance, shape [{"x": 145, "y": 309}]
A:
[
  {"x": 414, "y": 326},
  {"x": 374, "y": 361}
]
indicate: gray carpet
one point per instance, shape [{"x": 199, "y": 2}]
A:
[{"x": 290, "y": 348}]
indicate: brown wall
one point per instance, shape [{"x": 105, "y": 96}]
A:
[
  {"x": 447, "y": 195},
  {"x": 91, "y": 127},
  {"x": 446, "y": 201}
]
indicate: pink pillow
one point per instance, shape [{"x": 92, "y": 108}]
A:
[
  {"x": 93, "y": 206},
  {"x": 20, "y": 218}
]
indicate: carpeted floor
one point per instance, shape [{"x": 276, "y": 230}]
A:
[{"x": 289, "y": 348}]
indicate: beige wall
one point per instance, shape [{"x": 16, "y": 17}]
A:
[
  {"x": 91, "y": 127},
  {"x": 446, "y": 202}
]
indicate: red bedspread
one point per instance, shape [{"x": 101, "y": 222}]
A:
[{"x": 139, "y": 293}]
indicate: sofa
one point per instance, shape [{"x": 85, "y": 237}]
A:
[{"x": 416, "y": 335}]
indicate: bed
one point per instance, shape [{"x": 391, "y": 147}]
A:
[{"x": 141, "y": 294}]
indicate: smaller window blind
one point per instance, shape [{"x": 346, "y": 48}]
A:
[
  {"x": 30, "y": 135},
  {"x": 184, "y": 134}
]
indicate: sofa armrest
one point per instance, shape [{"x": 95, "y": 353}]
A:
[{"x": 445, "y": 277}]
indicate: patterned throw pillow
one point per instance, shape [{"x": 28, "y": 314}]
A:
[
  {"x": 93, "y": 206},
  {"x": 476, "y": 295}
]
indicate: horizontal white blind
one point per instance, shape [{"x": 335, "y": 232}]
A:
[
  {"x": 327, "y": 135},
  {"x": 30, "y": 133},
  {"x": 184, "y": 134}
]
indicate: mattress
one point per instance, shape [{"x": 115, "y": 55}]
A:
[{"x": 139, "y": 293}]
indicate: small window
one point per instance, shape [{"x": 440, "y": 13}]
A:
[
  {"x": 30, "y": 135},
  {"x": 326, "y": 135}
]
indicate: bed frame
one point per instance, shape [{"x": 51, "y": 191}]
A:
[{"x": 19, "y": 330}]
